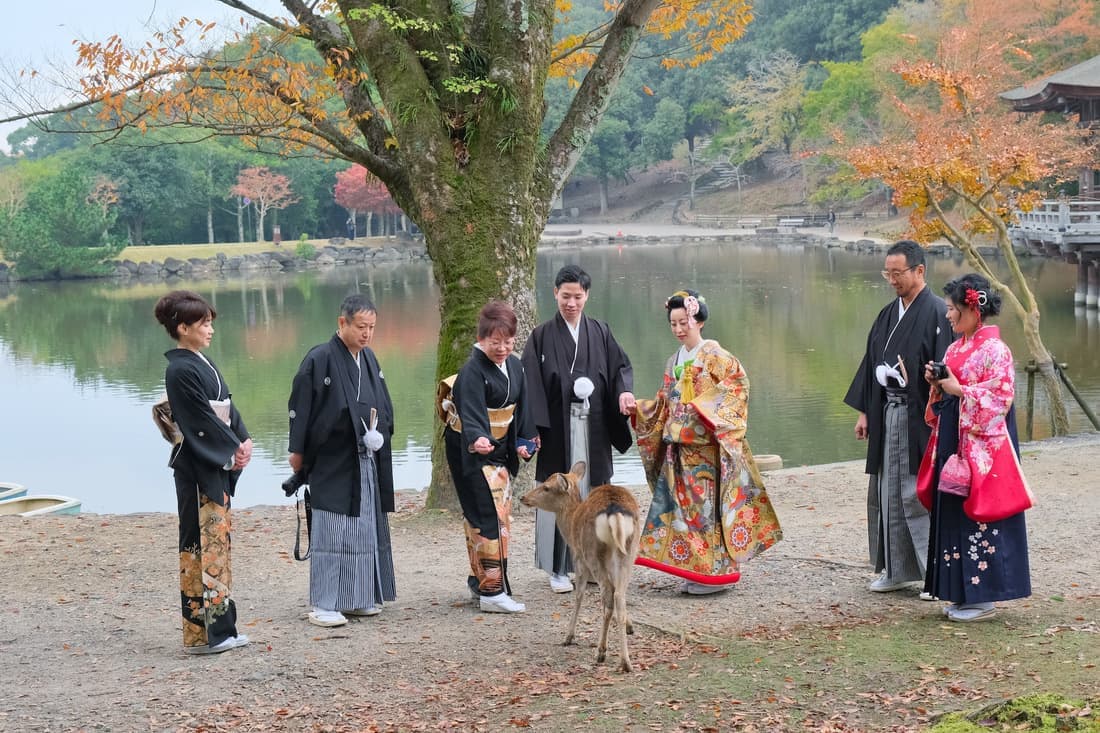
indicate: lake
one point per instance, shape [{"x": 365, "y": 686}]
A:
[{"x": 82, "y": 362}]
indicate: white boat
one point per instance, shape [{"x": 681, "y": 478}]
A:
[
  {"x": 10, "y": 491},
  {"x": 36, "y": 505}
]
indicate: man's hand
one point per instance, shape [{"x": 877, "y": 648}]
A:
[
  {"x": 482, "y": 445},
  {"x": 243, "y": 455},
  {"x": 861, "y": 427},
  {"x": 295, "y": 461}
]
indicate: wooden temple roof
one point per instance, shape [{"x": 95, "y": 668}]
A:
[{"x": 1060, "y": 90}]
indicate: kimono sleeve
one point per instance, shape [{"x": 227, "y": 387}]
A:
[
  {"x": 535, "y": 404},
  {"x": 988, "y": 391},
  {"x": 300, "y": 406},
  {"x": 724, "y": 408},
  {"x": 525, "y": 424},
  {"x": 473, "y": 410},
  {"x": 209, "y": 439},
  {"x": 621, "y": 371},
  {"x": 856, "y": 397}
]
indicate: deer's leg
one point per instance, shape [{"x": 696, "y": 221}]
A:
[
  {"x": 578, "y": 591},
  {"x": 607, "y": 595},
  {"x": 624, "y": 623}
]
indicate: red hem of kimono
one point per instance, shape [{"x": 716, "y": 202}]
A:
[{"x": 688, "y": 574}]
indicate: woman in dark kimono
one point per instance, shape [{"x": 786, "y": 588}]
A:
[
  {"x": 488, "y": 430},
  {"x": 212, "y": 449}
]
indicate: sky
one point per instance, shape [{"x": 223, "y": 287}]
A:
[{"x": 39, "y": 34}]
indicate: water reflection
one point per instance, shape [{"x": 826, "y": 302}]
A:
[{"x": 81, "y": 362}]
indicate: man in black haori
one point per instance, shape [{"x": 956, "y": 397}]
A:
[
  {"x": 341, "y": 426},
  {"x": 890, "y": 393},
  {"x": 560, "y": 352}
]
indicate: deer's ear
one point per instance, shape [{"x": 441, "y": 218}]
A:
[
  {"x": 563, "y": 483},
  {"x": 578, "y": 469}
]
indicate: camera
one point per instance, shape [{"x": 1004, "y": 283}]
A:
[
  {"x": 939, "y": 370},
  {"x": 295, "y": 482}
]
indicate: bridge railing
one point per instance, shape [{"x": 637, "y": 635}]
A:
[{"x": 1078, "y": 216}]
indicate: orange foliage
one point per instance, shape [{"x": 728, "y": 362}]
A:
[
  {"x": 703, "y": 28},
  {"x": 964, "y": 163},
  {"x": 245, "y": 86}
]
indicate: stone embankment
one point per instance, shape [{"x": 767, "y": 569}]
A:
[
  {"x": 275, "y": 261},
  {"x": 287, "y": 259}
]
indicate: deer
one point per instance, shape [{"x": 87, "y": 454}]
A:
[{"x": 603, "y": 532}]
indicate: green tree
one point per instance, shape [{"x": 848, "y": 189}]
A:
[
  {"x": 61, "y": 229},
  {"x": 663, "y": 130},
  {"x": 608, "y": 155}
]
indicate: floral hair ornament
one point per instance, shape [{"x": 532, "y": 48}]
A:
[
  {"x": 976, "y": 298},
  {"x": 691, "y": 307},
  {"x": 691, "y": 303}
]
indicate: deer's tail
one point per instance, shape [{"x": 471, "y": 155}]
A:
[{"x": 616, "y": 529}]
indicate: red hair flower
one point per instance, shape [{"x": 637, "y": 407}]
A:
[{"x": 976, "y": 298}]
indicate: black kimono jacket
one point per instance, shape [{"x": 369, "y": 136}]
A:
[
  {"x": 481, "y": 385},
  {"x": 922, "y": 336},
  {"x": 548, "y": 359},
  {"x": 208, "y": 443},
  {"x": 326, "y": 425}
]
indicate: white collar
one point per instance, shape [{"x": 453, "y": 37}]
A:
[{"x": 686, "y": 354}]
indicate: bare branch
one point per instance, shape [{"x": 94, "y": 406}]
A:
[
  {"x": 249, "y": 10},
  {"x": 590, "y": 102}
]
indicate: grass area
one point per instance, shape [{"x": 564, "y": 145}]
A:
[
  {"x": 900, "y": 674},
  {"x": 160, "y": 252}
]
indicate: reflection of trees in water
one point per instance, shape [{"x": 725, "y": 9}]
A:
[
  {"x": 797, "y": 318},
  {"x": 105, "y": 333}
]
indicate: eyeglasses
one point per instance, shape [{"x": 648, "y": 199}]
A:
[{"x": 895, "y": 274}]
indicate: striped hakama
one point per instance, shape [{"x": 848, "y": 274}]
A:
[
  {"x": 351, "y": 559},
  {"x": 898, "y": 530}
]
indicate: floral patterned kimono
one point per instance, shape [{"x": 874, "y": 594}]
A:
[
  {"x": 709, "y": 509},
  {"x": 970, "y": 560}
]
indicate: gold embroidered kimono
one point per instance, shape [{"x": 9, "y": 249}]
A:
[{"x": 709, "y": 510}]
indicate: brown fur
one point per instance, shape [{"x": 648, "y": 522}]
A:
[{"x": 603, "y": 532}]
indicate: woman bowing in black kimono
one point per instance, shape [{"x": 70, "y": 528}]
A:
[
  {"x": 207, "y": 460},
  {"x": 488, "y": 430}
]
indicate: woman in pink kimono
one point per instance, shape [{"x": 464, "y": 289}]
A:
[
  {"x": 977, "y": 550},
  {"x": 709, "y": 510}
]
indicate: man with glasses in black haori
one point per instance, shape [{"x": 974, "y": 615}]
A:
[{"x": 890, "y": 393}]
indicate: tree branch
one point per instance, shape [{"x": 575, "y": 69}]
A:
[
  {"x": 249, "y": 10},
  {"x": 962, "y": 243},
  {"x": 590, "y": 102}
]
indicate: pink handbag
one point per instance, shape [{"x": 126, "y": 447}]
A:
[{"x": 955, "y": 476}]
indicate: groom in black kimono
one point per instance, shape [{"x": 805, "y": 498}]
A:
[
  {"x": 569, "y": 346},
  {"x": 890, "y": 393}
]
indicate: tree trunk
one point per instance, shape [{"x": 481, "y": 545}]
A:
[
  {"x": 137, "y": 230},
  {"x": 479, "y": 252},
  {"x": 603, "y": 193},
  {"x": 209, "y": 222},
  {"x": 260, "y": 213},
  {"x": 1047, "y": 376},
  {"x": 240, "y": 220}
]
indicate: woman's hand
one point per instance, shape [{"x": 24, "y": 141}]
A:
[
  {"x": 948, "y": 385},
  {"x": 523, "y": 452},
  {"x": 482, "y": 446},
  {"x": 243, "y": 455},
  {"x": 627, "y": 404}
]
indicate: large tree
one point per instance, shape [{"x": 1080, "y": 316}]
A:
[
  {"x": 962, "y": 162},
  {"x": 443, "y": 102}
]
